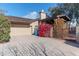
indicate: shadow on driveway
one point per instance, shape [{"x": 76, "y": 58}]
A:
[{"x": 72, "y": 43}]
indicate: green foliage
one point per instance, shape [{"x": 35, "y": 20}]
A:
[
  {"x": 55, "y": 11},
  {"x": 69, "y": 9},
  {"x": 4, "y": 29}
]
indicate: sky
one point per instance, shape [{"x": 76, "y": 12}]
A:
[{"x": 27, "y": 10}]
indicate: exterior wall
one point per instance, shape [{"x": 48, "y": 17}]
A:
[
  {"x": 33, "y": 25},
  {"x": 19, "y": 25},
  {"x": 45, "y": 30},
  {"x": 77, "y": 33},
  {"x": 42, "y": 15},
  {"x": 17, "y": 31}
]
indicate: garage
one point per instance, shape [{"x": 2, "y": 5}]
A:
[
  {"x": 20, "y": 26},
  {"x": 20, "y": 31}
]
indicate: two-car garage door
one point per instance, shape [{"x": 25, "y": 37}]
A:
[{"x": 19, "y": 31}]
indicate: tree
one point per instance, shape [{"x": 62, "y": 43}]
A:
[
  {"x": 55, "y": 11},
  {"x": 4, "y": 28},
  {"x": 69, "y": 9}
]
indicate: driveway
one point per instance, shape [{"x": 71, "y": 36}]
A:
[{"x": 38, "y": 46}]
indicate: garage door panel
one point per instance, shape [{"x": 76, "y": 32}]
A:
[{"x": 20, "y": 31}]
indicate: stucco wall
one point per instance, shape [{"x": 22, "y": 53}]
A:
[
  {"x": 17, "y": 31},
  {"x": 33, "y": 25},
  {"x": 42, "y": 15}
]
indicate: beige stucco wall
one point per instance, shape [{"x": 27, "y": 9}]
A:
[
  {"x": 42, "y": 15},
  {"x": 17, "y": 31},
  {"x": 33, "y": 25}
]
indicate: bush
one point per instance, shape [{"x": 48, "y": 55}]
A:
[{"x": 4, "y": 29}]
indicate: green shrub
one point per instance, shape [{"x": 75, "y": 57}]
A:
[{"x": 4, "y": 29}]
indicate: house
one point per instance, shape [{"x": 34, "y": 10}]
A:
[
  {"x": 20, "y": 26},
  {"x": 43, "y": 19},
  {"x": 77, "y": 33},
  {"x": 23, "y": 26},
  {"x": 59, "y": 27}
]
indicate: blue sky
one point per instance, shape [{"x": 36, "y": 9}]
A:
[{"x": 25, "y": 9}]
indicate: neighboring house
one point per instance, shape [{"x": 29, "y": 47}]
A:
[
  {"x": 73, "y": 25},
  {"x": 20, "y": 26},
  {"x": 77, "y": 33}
]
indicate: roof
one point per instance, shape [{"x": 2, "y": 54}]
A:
[
  {"x": 64, "y": 17},
  {"x": 48, "y": 20},
  {"x": 19, "y": 20}
]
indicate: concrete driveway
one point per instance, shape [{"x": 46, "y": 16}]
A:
[{"x": 38, "y": 46}]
